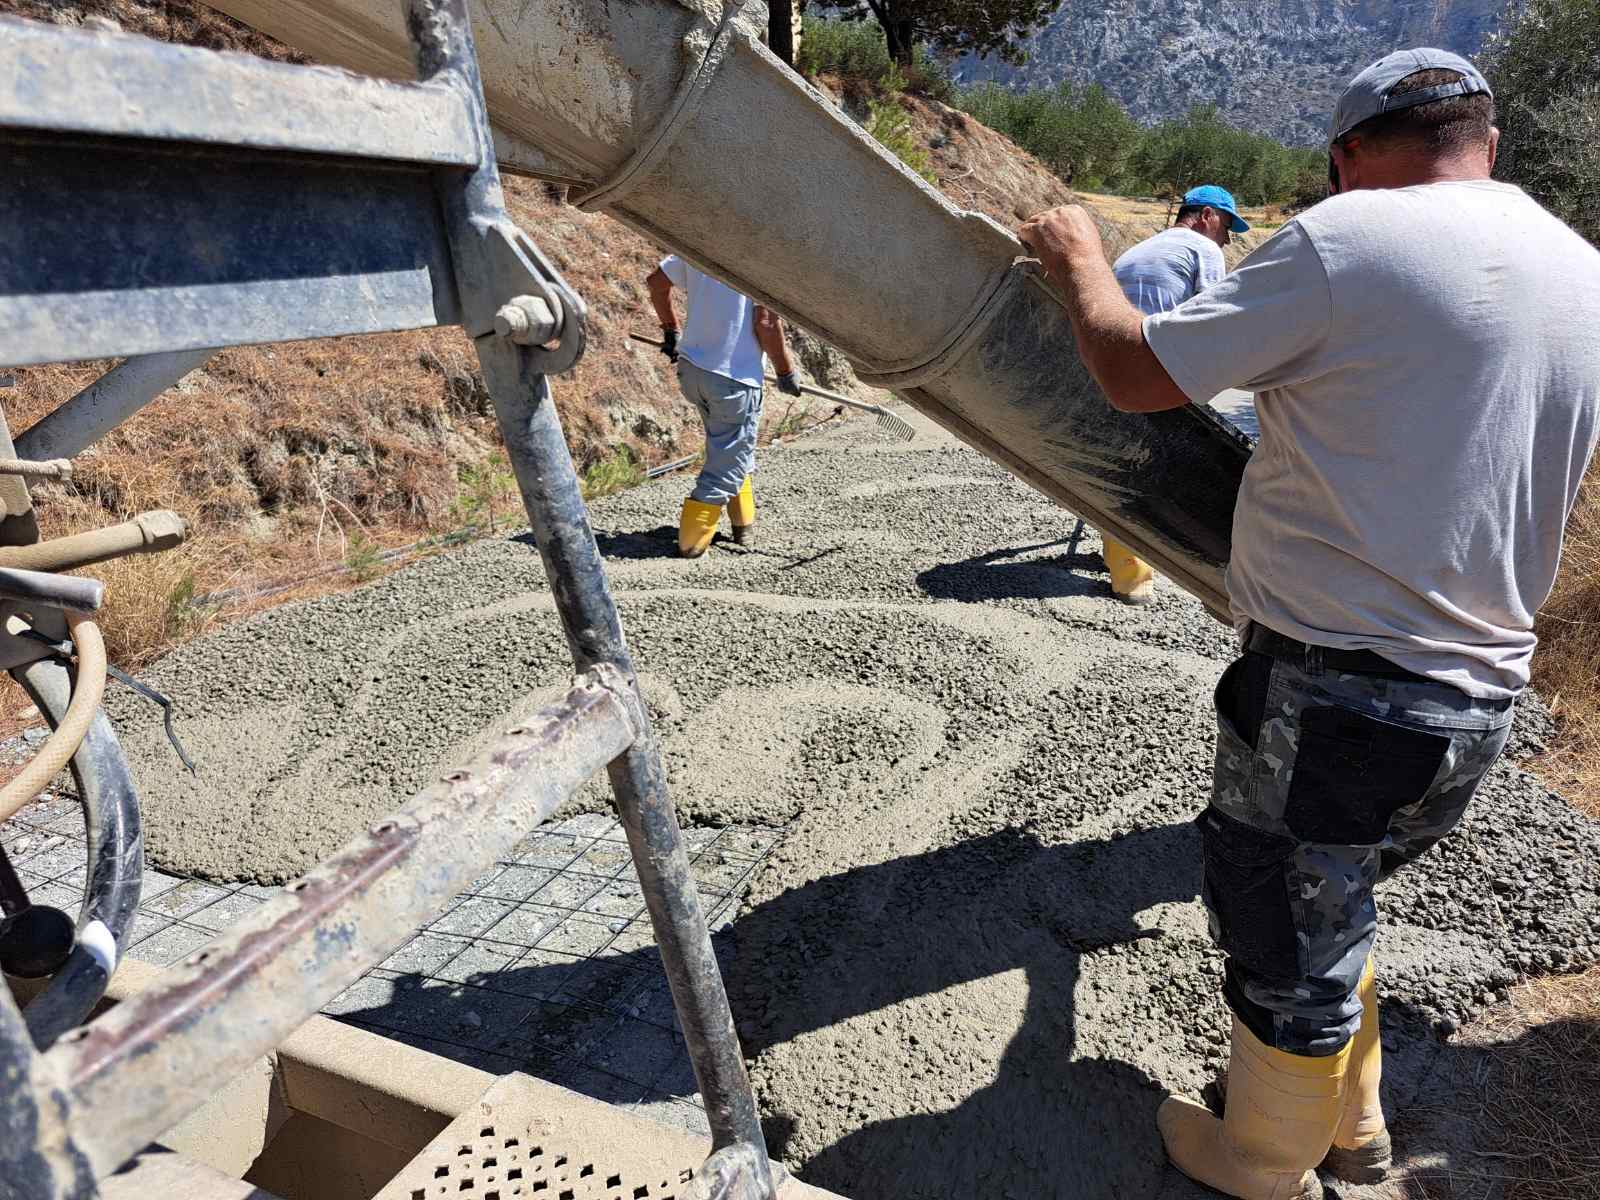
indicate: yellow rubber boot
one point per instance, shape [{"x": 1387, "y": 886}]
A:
[
  {"x": 1132, "y": 580},
  {"x": 742, "y": 514},
  {"x": 1282, "y": 1113},
  {"x": 696, "y": 527},
  {"x": 1362, "y": 1150}
]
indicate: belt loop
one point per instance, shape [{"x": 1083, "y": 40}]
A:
[{"x": 1313, "y": 659}]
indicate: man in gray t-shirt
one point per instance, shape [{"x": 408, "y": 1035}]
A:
[
  {"x": 1155, "y": 275},
  {"x": 1428, "y": 386}
]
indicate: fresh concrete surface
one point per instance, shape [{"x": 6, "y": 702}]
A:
[{"x": 969, "y": 957}]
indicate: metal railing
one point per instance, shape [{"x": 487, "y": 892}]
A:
[{"x": 163, "y": 200}]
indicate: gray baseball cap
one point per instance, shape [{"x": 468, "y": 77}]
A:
[{"x": 1367, "y": 95}]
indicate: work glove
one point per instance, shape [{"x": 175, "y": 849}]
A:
[
  {"x": 788, "y": 384},
  {"x": 669, "y": 343}
]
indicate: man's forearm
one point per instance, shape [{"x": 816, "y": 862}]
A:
[
  {"x": 660, "y": 289},
  {"x": 769, "y": 335},
  {"x": 1109, "y": 331}
]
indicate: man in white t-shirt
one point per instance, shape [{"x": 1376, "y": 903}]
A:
[
  {"x": 719, "y": 361},
  {"x": 1427, "y": 381},
  {"x": 1159, "y": 273}
]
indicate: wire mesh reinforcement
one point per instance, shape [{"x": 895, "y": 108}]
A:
[{"x": 550, "y": 950}]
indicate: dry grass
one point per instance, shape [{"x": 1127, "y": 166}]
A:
[
  {"x": 1541, "y": 1130},
  {"x": 1566, "y": 668}
]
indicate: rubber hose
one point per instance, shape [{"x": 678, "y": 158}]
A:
[{"x": 63, "y": 743}]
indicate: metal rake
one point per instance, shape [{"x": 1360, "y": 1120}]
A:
[{"x": 888, "y": 422}]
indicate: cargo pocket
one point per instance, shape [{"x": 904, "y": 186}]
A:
[
  {"x": 1241, "y": 696},
  {"x": 1246, "y": 890},
  {"x": 1353, "y": 772}
]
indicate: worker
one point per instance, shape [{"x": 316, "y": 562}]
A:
[
  {"x": 1159, "y": 273},
  {"x": 719, "y": 363},
  {"x": 1429, "y": 394}
]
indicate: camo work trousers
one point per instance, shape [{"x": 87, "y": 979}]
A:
[{"x": 1325, "y": 783}]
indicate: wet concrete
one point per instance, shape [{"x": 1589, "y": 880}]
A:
[{"x": 975, "y": 961}]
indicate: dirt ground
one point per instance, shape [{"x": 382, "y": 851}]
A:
[{"x": 976, "y": 960}]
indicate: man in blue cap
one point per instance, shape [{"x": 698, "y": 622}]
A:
[
  {"x": 1427, "y": 382},
  {"x": 1160, "y": 273}
]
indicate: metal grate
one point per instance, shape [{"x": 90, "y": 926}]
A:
[{"x": 515, "y": 1145}]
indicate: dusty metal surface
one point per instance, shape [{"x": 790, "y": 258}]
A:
[
  {"x": 550, "y": 491},
  {"x": 284, "y": 235},
  {"x": 147, "y": 533},
  {"x": 119, "y": 85},
  {"x": 274, "y": 248},
  {"x": 72, "y": 427}
]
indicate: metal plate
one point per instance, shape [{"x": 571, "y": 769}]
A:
[
  {"x": 125, "y": 249},
  {"x": 527, "y": 1140}
]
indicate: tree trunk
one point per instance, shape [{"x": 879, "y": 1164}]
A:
[
  {"x": 900, "y": 36},
  {"x": 780, "y": 30}
]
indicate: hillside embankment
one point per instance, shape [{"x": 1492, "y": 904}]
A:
[{"x": 292, "y": 459}]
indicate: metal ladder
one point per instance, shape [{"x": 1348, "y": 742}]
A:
[{"x": 159, "y": 201}]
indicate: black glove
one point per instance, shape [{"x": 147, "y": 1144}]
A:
[
  {"x": 669, "y": 344},
  {"x": 788, "y": 384}
]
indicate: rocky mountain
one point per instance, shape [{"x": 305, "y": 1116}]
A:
[{"x": 1274, "y": 66}]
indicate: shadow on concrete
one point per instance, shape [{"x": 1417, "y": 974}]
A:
[
  {"x": 860, "y": 942},
  {"x": 863, "y": 941},
  {"x": 992, "y": 577},
  {"x": 660, "y": 542}
]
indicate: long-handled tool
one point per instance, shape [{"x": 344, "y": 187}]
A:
[{"x": 894, "y": 426}]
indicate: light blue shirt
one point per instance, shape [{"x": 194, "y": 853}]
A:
[
  {"x": 719, "y": 334},
  {"x": 1163, "y": 271}
]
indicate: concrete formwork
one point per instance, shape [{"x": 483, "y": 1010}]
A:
[
  {"x": 337, "y": 1113},
  {"x": 675, "y": 119}
]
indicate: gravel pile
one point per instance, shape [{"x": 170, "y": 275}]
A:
[{"x": 976, "y": 961}]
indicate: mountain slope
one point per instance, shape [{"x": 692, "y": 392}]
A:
[{"x": 1274, "y": 66}]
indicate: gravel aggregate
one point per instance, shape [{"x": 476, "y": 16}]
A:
[{"x": 976, "y": 959}]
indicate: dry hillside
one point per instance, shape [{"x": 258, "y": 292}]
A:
[{"x": 293, "y": 458}]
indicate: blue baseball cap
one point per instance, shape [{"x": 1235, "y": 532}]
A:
[{"x": 1211, "y": 196}]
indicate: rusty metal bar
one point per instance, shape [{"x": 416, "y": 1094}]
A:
[
  {"x": 239, "y": 996},
  {"x": 147, "y": 533}
]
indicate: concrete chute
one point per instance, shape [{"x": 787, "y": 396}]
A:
[{"x": 675, "y": 119}]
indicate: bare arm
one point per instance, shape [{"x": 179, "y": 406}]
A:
[
  {"x": 769, "y": 333},
  {"x": 1110, "y": 331},
  {"x": 660, "y": 289}
]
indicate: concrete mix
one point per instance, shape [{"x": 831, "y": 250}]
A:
[{"x": 977, "y": 959}]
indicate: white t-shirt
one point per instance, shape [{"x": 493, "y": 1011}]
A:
[
  {"x": 1427, "y": 368},
  {"x": 1163, "y": 271},
  {"x": 719, "y": 334}
]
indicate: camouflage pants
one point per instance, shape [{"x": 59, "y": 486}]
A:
[{"x": 1325, "y": 782}]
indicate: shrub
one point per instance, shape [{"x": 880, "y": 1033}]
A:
[
  {"x": 1079, "y": 132},
  {"x": 856, "y": 50},
  {"x": 1201, "y": 147},
  {"x": 1541, "y": 66},
  {"x": 888, "y": 122},
  {"x": 615, "y": 473}
]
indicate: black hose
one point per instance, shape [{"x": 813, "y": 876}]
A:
[{"x": 115, "y": 863}]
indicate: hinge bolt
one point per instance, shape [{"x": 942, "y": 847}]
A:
[{"x": 528, "y": 320}]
